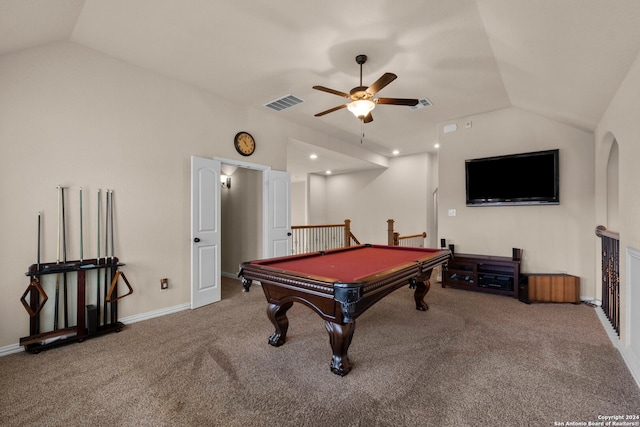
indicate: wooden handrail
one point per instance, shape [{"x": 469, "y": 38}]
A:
[
  {"x": 394, "y": 238},
  {"x": 352, "y": 238},
  {"x": 601, "y": 231},
  {"x": 423, "y": 234},
  {"x": 299, "y": 227}
]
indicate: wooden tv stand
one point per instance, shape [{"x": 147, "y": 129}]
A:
[{"x": 482, "y": 273}]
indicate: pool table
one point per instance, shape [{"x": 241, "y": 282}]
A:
[{"x": 339, "y": 285}]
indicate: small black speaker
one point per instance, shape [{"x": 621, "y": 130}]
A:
[
  {"x": 443, "y": 243},
  {"x": 516, "y": 254},
  {"x": 92, "y": 319},
  {"x": 523, "y": 290}
]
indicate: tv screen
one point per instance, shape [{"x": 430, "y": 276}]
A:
[{"x": 515, "y": 179}]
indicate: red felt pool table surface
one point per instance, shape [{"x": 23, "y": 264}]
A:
[{"x": 352, "y": 264}]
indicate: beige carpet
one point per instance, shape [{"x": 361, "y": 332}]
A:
[{"x": 471, "y": 360}]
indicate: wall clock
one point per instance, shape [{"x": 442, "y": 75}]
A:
[{"x": 245, "y": 143}]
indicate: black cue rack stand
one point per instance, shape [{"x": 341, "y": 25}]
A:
[{"x": 87, "y": 316}]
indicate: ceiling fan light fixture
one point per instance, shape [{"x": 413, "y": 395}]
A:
[{"x": 361, "y": 107}]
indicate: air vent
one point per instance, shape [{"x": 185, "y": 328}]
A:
[
  {"x": 423, "y": 102},
  {"x": 284, "y": 103}
]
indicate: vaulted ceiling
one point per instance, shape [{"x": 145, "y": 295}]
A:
[{"x": 562, "y": 59}]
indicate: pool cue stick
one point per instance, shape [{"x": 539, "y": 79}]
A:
[
  {"x": 98, "y": 262},
  {"x": 64, "y": 260},
  {"x": 81, "y": 241},
  {"x": 57, "y": 294},
  {"x": 82, "y": 264},
  {"x": 81, "y": 237},
  {"x": 36, "y": 278},
  {"x": 38, "y": 264},
  {"x": 106, "y": 251},
  {"x": 114, "y": 269},
  {"x": 113, "y": 255}
]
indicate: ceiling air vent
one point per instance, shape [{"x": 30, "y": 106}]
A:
[
  {"x": 422, "y": 102},
  {"x": 284, "y": 103}
]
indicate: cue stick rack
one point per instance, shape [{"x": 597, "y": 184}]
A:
[
  {"x": 88, "y": 317},
  {"x": 91, "y": 320}
]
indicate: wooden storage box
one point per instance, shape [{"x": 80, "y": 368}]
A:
[{"x": 554, "y": 288}]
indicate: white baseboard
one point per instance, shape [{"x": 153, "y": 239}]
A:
[
  {"x": 631, "y": 359},
  {"x": 592, "y": 302},
  {"x": 633, "y": 362},
  {"x": 16, "y": 348},
  {"x": 156, "y": 313},
  {"x": 10, "y": 349}
]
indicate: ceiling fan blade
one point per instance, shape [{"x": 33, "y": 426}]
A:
[
  {"x": 335, "y": 92},
  {"x": 381, "y": 83},
  {"x": 368, "y": 118},
  {"x": 331, "y": 110},
  {"x": 397, "y": 101}
]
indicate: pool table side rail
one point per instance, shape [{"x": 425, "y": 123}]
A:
[
  {"x": 286, "y": 279},
  {"x": 414, "y": 268}
]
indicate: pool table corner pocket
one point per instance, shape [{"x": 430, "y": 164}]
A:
[{"x": 348, "y": 295}]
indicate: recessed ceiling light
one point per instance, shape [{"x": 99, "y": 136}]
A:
[
  {"x": 436, "y": 145},
  {"x": 328, "y": 172},
  {"x": 395, "y": 152},
  {"x": 313, "y": 156}
]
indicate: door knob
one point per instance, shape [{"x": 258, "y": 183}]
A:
[{"x": 196, "y": 239}]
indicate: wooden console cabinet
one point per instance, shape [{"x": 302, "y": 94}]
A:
[
  {"x": 482, "y": 273},
  {"x": 554, "y": 288}
]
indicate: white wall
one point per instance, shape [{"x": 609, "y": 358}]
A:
[
  {"x": 299, "y": 203},
  {"x": 316, "y": 200},
  {"x": 369, "y": 198},
  {"x": 433, "y": 240},
  {"x": 555, "y": 238}
]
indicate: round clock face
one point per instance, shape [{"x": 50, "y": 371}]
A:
[{"x": 244, "y": 143}]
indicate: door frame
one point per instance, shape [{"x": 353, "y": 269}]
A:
[
  {"x": 265, "y": 188},
  {"x": 265, "y": 195},
  {"x": 265, "y": 200}
]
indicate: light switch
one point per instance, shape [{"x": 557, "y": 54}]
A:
[{"x": 452, "y": 212}]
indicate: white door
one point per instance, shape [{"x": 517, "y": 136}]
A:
[
  {"x": 278, "y": 214},
  {"x": 205, "y": 231}
]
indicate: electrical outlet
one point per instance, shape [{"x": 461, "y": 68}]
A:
[{"x": 164, "y": 284}]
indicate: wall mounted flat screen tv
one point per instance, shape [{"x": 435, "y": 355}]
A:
[{"x": 515, "y": 179}]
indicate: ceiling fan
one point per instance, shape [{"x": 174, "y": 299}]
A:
[{"x": 361, "y": 97}]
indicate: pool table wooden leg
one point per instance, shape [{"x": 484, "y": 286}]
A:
[
  {"x": 278, "y": 316},
  {"x": 422, "y": 287},
  {"x": 340, "y": 338}
]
